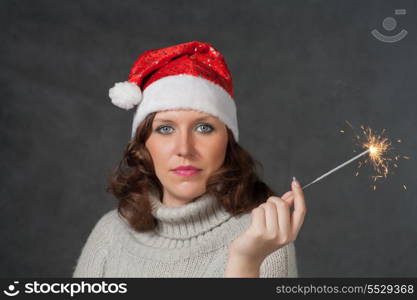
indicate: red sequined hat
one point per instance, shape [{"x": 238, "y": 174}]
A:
[{"x": 191, "y": 75}]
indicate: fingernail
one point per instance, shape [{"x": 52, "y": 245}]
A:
[{"x": 294, "y": 181}]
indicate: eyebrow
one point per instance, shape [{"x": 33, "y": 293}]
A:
[{"x": 170, "y": 121}]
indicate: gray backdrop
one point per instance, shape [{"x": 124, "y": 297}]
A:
[{"x": 300, "y": 69}]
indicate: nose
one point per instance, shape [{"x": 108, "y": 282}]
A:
[{"x": 185, "y": 144}]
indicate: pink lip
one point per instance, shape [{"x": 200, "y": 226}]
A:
[{"x": 186, "y": 173}]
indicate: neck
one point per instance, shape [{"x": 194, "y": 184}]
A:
[{"x": 188, "y": 220}]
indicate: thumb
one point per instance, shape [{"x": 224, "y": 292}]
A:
[{"x": 299, "y": 202}]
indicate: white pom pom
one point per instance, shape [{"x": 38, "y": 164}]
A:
[{"x": 125, "y": 94}]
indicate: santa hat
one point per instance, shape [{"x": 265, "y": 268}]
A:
[{"x": 191, "y": 75}]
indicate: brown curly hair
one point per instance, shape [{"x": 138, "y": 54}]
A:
[{"x": 240, "y": 190}]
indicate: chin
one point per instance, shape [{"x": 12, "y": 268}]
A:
[{"x": 188, "y": 190}]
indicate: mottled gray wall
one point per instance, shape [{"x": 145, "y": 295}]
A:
[{"x": 301, "y": 68}]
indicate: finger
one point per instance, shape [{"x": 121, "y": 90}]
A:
[
  {"x": 284, "y": 218},
  {"x": 258, "y": 219},
  {"x": 299, "y": 207},
  {"x": 288, "y": 197},
  {"x": 271, "y": 215},
  {"x": 287, "y": 194}
]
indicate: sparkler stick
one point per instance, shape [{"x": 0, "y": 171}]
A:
[
  {"x": 378, "y": 147},
  {"x": 337, "y": 168}
]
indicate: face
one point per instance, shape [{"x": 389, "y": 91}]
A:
[{"x": 184, "y": 138}]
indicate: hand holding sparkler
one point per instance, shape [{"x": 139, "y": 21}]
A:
[{"x": 272, "y": 227}]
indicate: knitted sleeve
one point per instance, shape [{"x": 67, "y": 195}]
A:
[
  {"x": 92, "y": 260},
  {"x": 281, "y": 263}
]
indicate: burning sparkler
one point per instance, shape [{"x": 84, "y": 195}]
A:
[{"x": 377, "y": 146}]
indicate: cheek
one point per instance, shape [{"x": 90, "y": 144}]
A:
[
  {"x": 157, "y": 149},
  {"x": 215, "y": 153}
]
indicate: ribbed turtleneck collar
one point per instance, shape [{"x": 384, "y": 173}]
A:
[{"x": 189, "y": 220}]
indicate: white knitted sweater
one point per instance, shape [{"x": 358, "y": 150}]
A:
[{"x": 189, "y": 241}]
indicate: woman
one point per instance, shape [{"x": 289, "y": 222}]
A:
[{"x": 190, "y": 202}]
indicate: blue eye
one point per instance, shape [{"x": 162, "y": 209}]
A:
[
  {"x": 208, "y": 127},
  {"x": 162, "y": 131}
]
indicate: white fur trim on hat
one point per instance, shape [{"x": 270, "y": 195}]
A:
[
  {"x": 185, "y": 91},
  {"x": 125, "y": 94}
]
